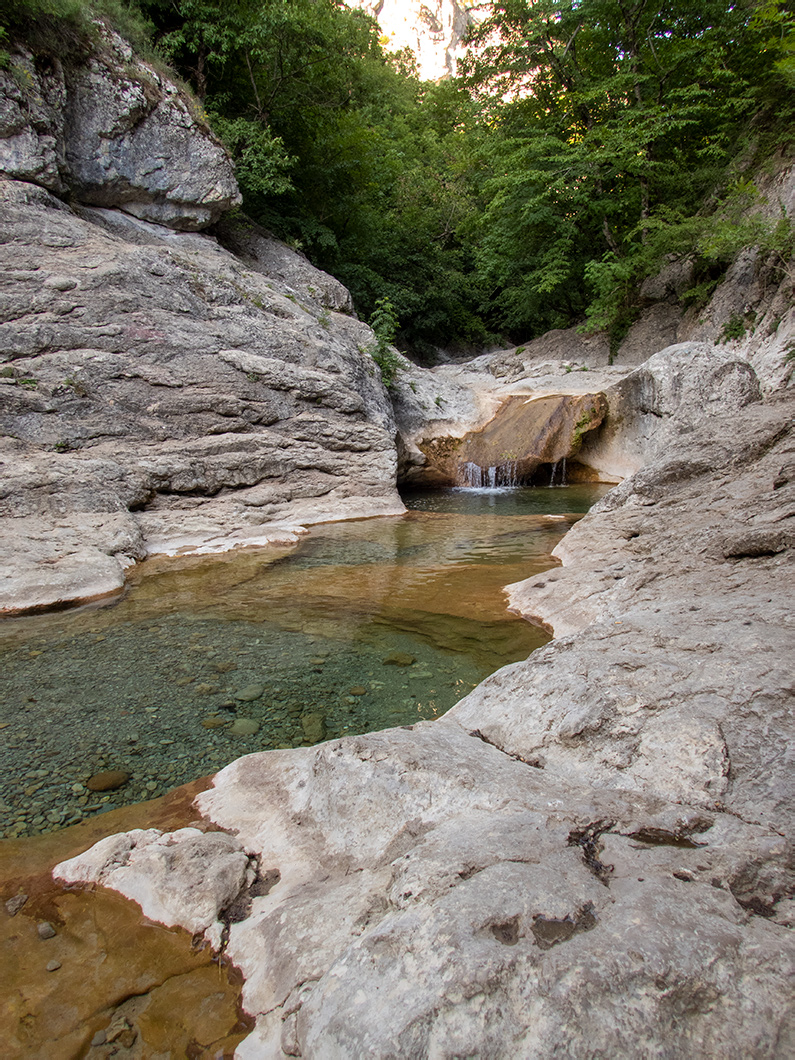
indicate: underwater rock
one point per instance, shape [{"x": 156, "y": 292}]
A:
[{"x": 108, "y": 781}]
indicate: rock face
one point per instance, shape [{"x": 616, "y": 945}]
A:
[
  {"x": 587, "y": 855},
  {"x": 433, "y": 32},
  {"x": 495, "y": 420},
  {"x": 670, "y": 394},
  {"x": 186, "y": 877},
  {"x": 158, "y": 392},
  {"x": 525, "y": 434},
  {"x": 112, "y": 131}
]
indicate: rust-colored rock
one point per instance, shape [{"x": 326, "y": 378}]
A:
[
  {"x": 526, "y": 434},
  {"x": 109, "y": 781}
]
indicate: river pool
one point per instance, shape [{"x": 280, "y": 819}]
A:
[{"x": 365, "y": 625}]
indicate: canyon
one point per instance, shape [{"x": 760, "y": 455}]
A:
[{"x": 589, "y": 854}]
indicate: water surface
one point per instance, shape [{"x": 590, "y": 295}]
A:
[{"x": 363, "y": 626}]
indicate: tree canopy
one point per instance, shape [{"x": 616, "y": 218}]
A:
[{"x": 583, "y": 142}]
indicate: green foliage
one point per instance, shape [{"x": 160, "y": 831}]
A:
[
  {"x": 68, "y": 29},
  {"x": 734, "y": 328},
  {"x": 262, "y": 164},
  {"x": 384, "y": 323},
  {"x": 572, "y": 159},
  {"x": 614, "y": 122}
]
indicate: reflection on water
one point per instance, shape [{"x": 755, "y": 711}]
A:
[{"x": 365, "y": 625}]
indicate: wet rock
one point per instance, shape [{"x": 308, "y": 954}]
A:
[
  {"x": 13, "y": 905},
  {"x": 250, "y": 693},
  {"x": 214, "y": 721},
  {"x": 314, "y": 727},
  {"x": 108, "y": 781},
  {"x": 398, "y": 658},
  {"x": 244, "y": 727},
  {"x": 185, "y": 877}
]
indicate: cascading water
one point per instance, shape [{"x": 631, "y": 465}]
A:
[
  {"x": 553, "y": 476},
  {"x": 498, "y": 476}
]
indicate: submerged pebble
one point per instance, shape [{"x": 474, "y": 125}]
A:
[
  {"x": 244, "y": 727},
  {"x": 141, "y": 702},
  {"x": 107, "y": 781},
  {"x": 250, "y": 693}
]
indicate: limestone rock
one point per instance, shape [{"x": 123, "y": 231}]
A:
[
  {"x": 31, "y": 122},
  {"x": 672, "y": 393},
  {"x": 673, "y": 628},
  {"x": 457, "y": 421},
  {"x": 263, "y": 253},
  {"x": 602, "y": 822},
  {"x": 185, "y": 877},
  {"x": 113, "y": 132},
  {"x": 434, "y": 32},
  {"x": 158, "y": 394}
]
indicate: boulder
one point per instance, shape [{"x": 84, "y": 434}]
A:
[
  {"x": 113, "y": 131},
  {"x": 673, "y": 392},
  {"x": 186, "y": 877}
]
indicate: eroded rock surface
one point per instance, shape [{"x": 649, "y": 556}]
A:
[
  {"x": 159, "y": 393},
  {"x": 587, "y": 855},
  {"x": 502, "y": 426},
  {"x": 113, "y": 131}
]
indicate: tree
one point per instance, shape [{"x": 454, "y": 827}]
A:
[{"x": 615, "y": 119}]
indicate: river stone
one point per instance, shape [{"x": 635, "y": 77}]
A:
[
  {"x": 314, "y": 727},
  {"x": 214, "y": 721},
  {"x": 250, "y": 693},
  {"x": 13, "y": 905},
  {"x": 46, "y": 930},
  {"x": 108, "y": 781},
  {"x": 398, "y": 658},
  {"x": 358, "y": 690},
  {"x": 244, "y": 727}
]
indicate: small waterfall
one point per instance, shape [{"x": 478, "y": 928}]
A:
[
  {"x": 472, "y": 476},
  {"x": 561, "y": 477}
]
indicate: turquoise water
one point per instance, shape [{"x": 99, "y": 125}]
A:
[{"x": 365, "y": 625}]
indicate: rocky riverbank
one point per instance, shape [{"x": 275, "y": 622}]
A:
[
  {"x": 161, "y": 388},
  {"x": 588, "y": 854}
]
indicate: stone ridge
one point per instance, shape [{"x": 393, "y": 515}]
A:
[{"x": 588, "y": 855}]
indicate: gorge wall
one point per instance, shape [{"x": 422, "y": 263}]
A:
[
  {"x": 433, "y": 32},
  {"x": 161, "y": 388}
]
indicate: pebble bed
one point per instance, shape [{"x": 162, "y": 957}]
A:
[{"x": 170, "y": 703}]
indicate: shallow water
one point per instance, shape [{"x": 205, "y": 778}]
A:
[{"x": 366, "y": 625}]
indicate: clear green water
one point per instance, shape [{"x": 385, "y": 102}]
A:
[{"x": 366, "y": 625}]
